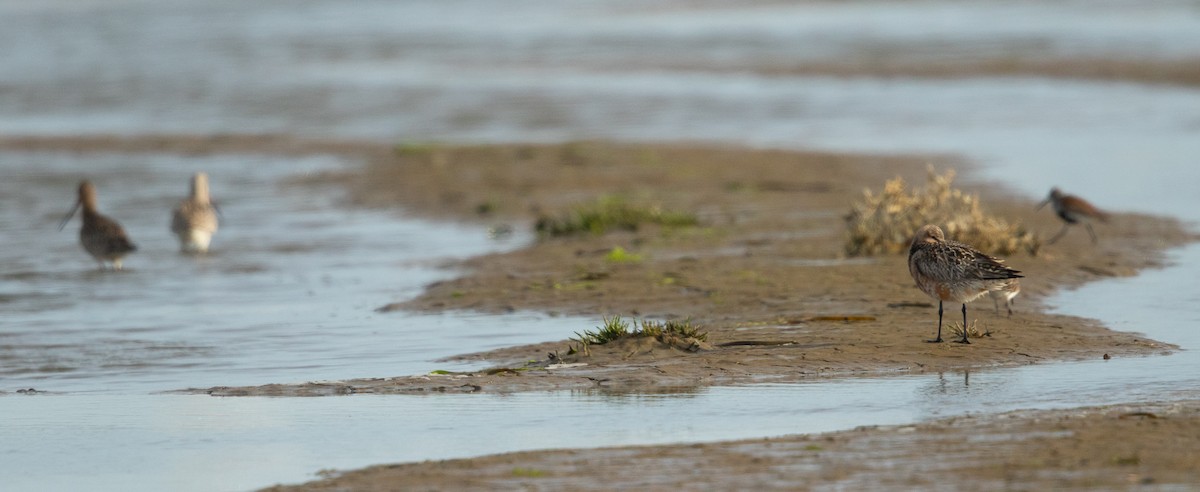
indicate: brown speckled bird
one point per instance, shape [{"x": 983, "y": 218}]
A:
[
  {"x": 1072, "y": 210},
  {"x": 195, "y": 219},
  {"x": 952, "y": 271},
  {"x": 101, "y": 236}
]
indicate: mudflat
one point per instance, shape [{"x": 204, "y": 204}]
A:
[{"x": 765, "y": 275}]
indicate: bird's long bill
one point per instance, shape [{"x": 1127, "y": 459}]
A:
[
  {"x": 218, "y": 209},
  {"x": 1042, "y": 204},
  {"x": 70, "y": 214}
]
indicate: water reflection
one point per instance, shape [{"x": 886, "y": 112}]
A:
[
  {"x": 640, "y": 393},
  {"x": 948, "y": 386}
]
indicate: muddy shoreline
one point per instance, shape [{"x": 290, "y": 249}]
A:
[
  {"x": 767, "y": 267},
  {"x": 1119, "y": 447},
  {"x": 764, "y": 274}
]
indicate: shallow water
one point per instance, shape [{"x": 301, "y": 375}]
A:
[{"x": 289, "y": 293}]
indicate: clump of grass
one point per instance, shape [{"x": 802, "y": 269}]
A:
[
  {"x": 615, "y": 328},
  {"x": 973, "y": 330},
  {"x": 610, "y": 213},
  {"x": 620, "y": 255},
  {"x": 883, "y": 223},
  {"x": 680, "y": 328}
]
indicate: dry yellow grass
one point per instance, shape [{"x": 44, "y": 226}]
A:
[{"x": 883, "y": 223}]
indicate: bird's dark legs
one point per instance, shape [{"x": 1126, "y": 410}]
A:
[
  {"x": 964, "y": 338},
  {"x": 1091, "y": 232},
  {"x": 939, "y": 335},
  {"x": 1060, "y": 234}
]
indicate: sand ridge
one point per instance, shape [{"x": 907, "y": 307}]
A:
[{"x": 764, "y": 274}]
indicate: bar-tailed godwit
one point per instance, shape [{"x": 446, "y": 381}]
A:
[
  {"x": 952, "y": 271},
  {"x": 1006, "y": 293},
  {"x": 195, "y": 219},
  {"x": 101, "y": 236},
  {"x": 1072, "y": 210}
]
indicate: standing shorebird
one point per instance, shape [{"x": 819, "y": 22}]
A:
[
  {"x": 952, "y": 271},
  {"x": 1072, "y": 210},
  {"x": 1006, "y": 293},
  {"x": 195, "y": 219},
  {"x": 101, "y": 236}
]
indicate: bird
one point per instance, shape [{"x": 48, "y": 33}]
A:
[
  {"x": 101, "y": 236},
  {"x": 1006, "y": 293},
  {"x": 195, "y": 219},
  {"x": 1072, "y": 210},
  {"x": 953, "y": 271}
]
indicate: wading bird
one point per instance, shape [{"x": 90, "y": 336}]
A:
[
  {"x": 1072, "y": 210},
  {"x": 101, "y": 236},
  {"x": 954, "y": 272},
  {"x": 195, "y": 219}
]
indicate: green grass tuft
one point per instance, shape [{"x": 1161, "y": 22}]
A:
[
  {"x": 610, "y": 213},
  {"x": 680, "y": 328},
  {"x": 620, "y": 255},
  {"x": 615, "y": 328}
]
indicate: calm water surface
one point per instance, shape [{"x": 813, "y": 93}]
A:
[{"x": 289, "y": 293}]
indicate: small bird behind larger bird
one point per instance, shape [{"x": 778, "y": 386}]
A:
[{"x": 1006, "y": 294}]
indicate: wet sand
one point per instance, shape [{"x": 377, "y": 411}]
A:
[{"x": 1123, "y": 447}]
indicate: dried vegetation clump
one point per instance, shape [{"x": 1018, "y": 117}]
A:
[{"x": 883, "y": 223}]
